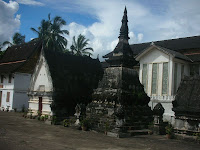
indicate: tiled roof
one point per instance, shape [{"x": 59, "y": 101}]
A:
[
  {"x": 17, "y": 55},
  {"x": 172, "y": 44},
  {"x": 187, "y": 100},
  {"x": 178, "y": 45},
  {"x": 73, "y": 77},
  {"x": 175, "y": 53}
]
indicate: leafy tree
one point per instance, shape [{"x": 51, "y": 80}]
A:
[
  {"x": 1, "y": 52},
  {"x": 51, "y": 35},
  {"x": 1, "y": 46},
  {"x": 79, "y": 46},
  {"x": 16, "y": 40}
]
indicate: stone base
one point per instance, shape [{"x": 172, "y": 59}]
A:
[
  {"x": 159, "y": 129},
  {"x": 118, "y": 135},
  {"x": 47, "y": 122}
]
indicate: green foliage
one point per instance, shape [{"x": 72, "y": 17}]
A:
[
  {"x": 79, "y": 46},
  {"x": 23, "y": 108},
  {"x": 54, "y": 120},
  {"x": 51, "y": 34},
  {"x": 107, "y": 126},
  {"x": 197, "y": 136},
  {"x": 85, "y": 122},
  {"x": 66, "y": 122},
  {"x": 16, "y": 40},
  {"x": 38, "y": 113},
  {"x": 46, "y": 117},
  {"x": 169, "y": 129},
  {"x": 42, "y": 118}
]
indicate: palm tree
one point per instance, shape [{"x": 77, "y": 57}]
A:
[
  {"x": 16, "y": 40},
  {"x": 51, "y": 34},
  {"x": 79, "y": 46},
  {"x": 1, "y": 46},
  {"x": 1, "y": 52}
]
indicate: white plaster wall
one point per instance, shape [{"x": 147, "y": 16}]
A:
[
  {"x": 46, "y": 102},
  {"x": 42, "y": 76},
  {"x": 159, "y": 57},
  {"x": 6, "y": 84},
  {"x": 18, "y": 90},
  {"x": 22, "y": 81},
  {"x": 154, "y": 56},
  {"x": 20, "y": 99},
  {"x": 5, "y": 104}
]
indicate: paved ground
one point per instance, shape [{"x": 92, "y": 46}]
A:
[{"x": 18, "y": 133}]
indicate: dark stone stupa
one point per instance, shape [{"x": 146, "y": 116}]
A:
[
  {"x": 122, "y": 54},
  {"x": 120, "y": 103},
  {"x": 187, "y": 106}
]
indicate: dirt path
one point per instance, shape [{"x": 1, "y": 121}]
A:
[{"x": 18, "y": 133}]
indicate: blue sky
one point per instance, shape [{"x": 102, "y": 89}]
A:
[{"x": 100, "y": 20}]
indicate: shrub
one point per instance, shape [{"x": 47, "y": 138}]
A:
[
  {"x": 169, "y": 129},
  {"x": 66, "y": 123}
]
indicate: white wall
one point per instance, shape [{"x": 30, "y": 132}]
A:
[
  {"x": 5, "y": 104},
  {"x": 18, "y": 90},
  {"x": 41, "y": 77},
  {"x": 156, "y": 56},
  {"x": 22, "y": 81},
  {"x": 20, "y": 99}
]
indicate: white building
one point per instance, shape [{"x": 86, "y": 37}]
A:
[
  {"x": 162, "y": 69},
  {"x": 59, "y": 81},
  {"x": 41, "y": 88},
  {"x": 16, "y": 68}
]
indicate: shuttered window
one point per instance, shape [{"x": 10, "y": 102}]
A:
[
  {"x": 144, "y": 77},
  {"x": 182, "y": 71},
  {"x": 0, "y": 97},
  {"x": 10, "y": 78},
  {"x": 175, "y": 77},
  {"x": 154, "y": 79},
  {"x": 8, "y": 97},
  {"x": 165, "y": 79},
  {"x": 194, "y": 69},
  {"x": 2, "y": 76}
]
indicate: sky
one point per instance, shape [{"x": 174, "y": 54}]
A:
[{"x": 100, "y": 20}]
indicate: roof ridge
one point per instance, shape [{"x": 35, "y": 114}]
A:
[{"x": 167, "y": 40}]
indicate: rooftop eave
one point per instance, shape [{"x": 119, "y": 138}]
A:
[{"x": 138, "y": 57}]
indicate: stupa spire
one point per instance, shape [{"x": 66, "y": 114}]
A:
[{"x": 124, "y": 27}]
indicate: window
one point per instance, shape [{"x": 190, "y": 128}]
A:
[
  {"x": 144, "y": 77},
  {"x": 182, "y": 71},
  {"x": 10, "y": 78},
  {"x": 165, "y": 79},
  {"x": 154, "y": 79},
  {"x": 175, "y": 77},
  {"x": 194, "y": 69},
  {"x": 2, "y": 76},
  {"x": 8, "y": 97},
  {"x": 0, "y": 97}
]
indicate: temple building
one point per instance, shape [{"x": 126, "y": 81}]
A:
[
  {"x": 120, "y": 101},
  {"x": 60, "y": 81},
  {"x": 162, "y": 65},
  {"x": 16, "y": 68}
]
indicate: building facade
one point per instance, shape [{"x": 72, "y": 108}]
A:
[
  {"x": 161, "y": 71},
  {"x": 60, "y": 81},
  {"x": 16, "y": 67},
  {"x": 41, "y": 88}
]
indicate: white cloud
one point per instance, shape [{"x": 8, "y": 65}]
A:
[
  {"x": 30, "y": 2},
  {"x": 148, "y": 20},
  {"x": 9, "y": 23}
]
